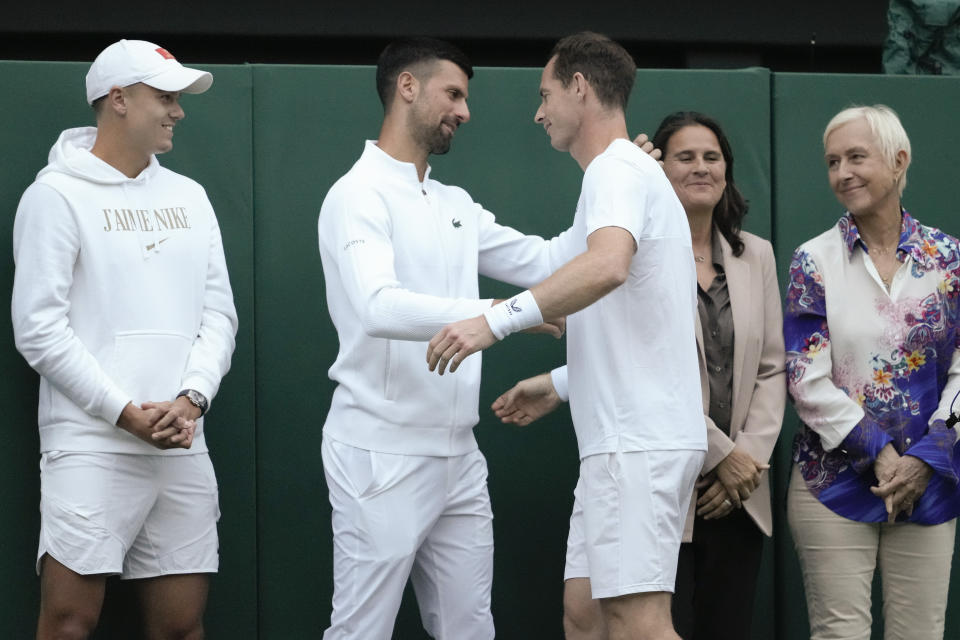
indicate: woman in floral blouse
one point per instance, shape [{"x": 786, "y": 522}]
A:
[{"x": 871, "y": 329}]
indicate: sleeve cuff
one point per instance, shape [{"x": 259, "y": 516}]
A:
[
  {"x": 559, "y": 378},
  {"x": 936, "y": 449},
  {"x": 863, "y": 444},
  {"x": 201, "y": 384},
  {"x": 112, "y": 406}
]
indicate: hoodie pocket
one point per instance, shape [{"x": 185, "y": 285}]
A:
[{"x": 149, "y": 365}]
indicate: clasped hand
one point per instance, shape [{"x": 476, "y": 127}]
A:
[
  {"x": 901, "y": 480},
  {"x": 165, "y": 425},
  {"x": 729, "y": 484}
]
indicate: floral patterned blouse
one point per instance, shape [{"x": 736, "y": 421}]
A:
[{"x": 866, "y": 366}]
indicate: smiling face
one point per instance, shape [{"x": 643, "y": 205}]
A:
[
  {"x": 694, "y": 163},
  {"x": 440, "y": 107},
  {"x": 151, "y": 115},
  {"x": 859, "y": 175},
  {"x": 559, "y": 111}
]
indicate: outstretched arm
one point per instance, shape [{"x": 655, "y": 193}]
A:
[
  {"x": 527, "y": 401},
  {"x": 603, "y": 267}
]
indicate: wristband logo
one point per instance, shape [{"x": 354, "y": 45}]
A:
[
  {"x": 512, "y": 306},
  {"x": 456, "y": 223}
]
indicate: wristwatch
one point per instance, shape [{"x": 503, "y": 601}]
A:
[{"x": 196, "y": 398}]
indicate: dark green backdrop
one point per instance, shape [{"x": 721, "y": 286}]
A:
[{"x": 267, "y": 142}]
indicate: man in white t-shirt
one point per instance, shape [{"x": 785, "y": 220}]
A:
[
  {"x": 401, "y": 253},
  {"x": 629, "y": 290}
]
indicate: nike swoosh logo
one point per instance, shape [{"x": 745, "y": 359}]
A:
[{"x": 152, "y": 244}]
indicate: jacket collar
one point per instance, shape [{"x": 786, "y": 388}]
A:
[{"x": 406, "y": 171}]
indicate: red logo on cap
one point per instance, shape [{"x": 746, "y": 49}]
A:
[{"x": 166, "y": 54}]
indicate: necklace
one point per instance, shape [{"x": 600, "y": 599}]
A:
[{"x": 699, "y": 258}]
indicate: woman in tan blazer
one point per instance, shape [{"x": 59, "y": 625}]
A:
[
  {"x": 743, "y": 385},
  {"x": 742, "y": 379}
]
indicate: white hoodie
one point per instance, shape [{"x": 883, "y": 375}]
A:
[{"x": 120, "y": 295}]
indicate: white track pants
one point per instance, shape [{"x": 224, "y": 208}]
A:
[{"x": 399, "y": 516}]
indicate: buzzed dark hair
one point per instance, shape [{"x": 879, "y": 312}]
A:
[
  {"x": 402, "y": 54},
  {"x": 97, "y": 105},
  {"x": 606, "y": 65}
]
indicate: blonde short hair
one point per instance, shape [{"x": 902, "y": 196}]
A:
[{"x": 887, "y": 130}]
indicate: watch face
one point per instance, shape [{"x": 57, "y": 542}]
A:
[{"x": 197, "y": 399}]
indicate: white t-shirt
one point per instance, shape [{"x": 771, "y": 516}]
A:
[{"x": 634, "y": 382}]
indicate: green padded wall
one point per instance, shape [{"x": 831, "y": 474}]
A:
[
  {"x": 805, "y": 206},
  {"x": 267, "y": 142},
  {"x": 307, "y": 129},
  {"x": 33, "y": 121},
  {"x": 213, "y": 146}
]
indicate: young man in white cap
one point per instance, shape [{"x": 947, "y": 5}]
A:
[
  {"x": 122, "y": 304},
  {"x": 629, "y": 287}
]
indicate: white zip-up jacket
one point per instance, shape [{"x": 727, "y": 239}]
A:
[
  {"x": 120, "y": 295},
  {"x": 400, "y": 261}
]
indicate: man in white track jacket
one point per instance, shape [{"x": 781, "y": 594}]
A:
[
  {"x": 122, "y": 304},
  {"x": 401, "y": 253}
]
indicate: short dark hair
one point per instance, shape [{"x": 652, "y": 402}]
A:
[
  {"x": 729, "y": 212},
  {"x": 606, "y": 65},
  {"x": 404, "y": 53},
  {"x": 97, "y": 105}
]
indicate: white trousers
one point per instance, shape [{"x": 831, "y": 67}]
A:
[
  {"x": 838, "y": 557},
  {"x": 398, "y": 516}
]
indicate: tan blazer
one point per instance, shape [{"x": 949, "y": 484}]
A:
[{"x": 759, "y": 380}]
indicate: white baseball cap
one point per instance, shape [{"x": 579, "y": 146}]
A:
[{"x": 128, "y": 62}]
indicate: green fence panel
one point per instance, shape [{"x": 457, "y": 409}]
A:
[{"x": 270, "y": 140}]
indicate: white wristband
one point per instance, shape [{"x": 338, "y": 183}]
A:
[
  {"x": 559, "y": 379},
  {"x": 514, "y": 314}
]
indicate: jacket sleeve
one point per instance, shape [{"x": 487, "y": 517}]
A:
[
  {"x": 522, "y": 260},
  {"x": 719, "y": 444},
  {"x": 46, "y": 244},
  {"x": 823, "y": 407},
  {"x": 213, "y": 347},
  {"x": 765, "y": 414},
  {"x": 354, "y": 230}
]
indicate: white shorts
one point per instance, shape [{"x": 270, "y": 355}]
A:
[
  {"x": 398, "y": 516},
  {"x": 627, "y": 521},
  {"x": 139, "y": 516}
]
